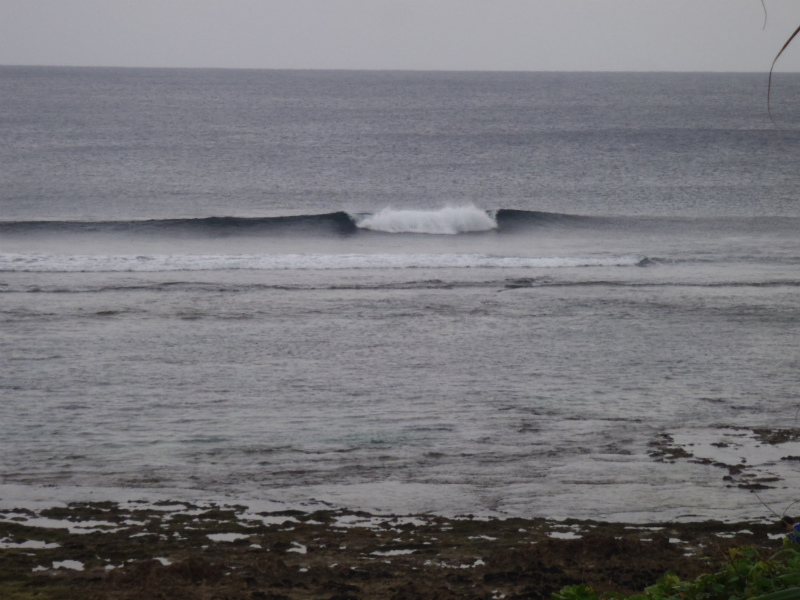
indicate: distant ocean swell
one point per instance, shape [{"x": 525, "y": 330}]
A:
[
  {"x": 443, "y": 221},
  {"x": 43, "y": 263}
]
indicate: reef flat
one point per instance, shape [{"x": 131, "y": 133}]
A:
[{"x": 137, "y": 550}]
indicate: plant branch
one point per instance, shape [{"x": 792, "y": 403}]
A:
[{"x": 772, "y": 68}]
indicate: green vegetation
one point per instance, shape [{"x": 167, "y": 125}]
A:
[{"x": 746, "y": 576}]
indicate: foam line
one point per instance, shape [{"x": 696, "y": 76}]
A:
[{"x": 39, "y": 263}]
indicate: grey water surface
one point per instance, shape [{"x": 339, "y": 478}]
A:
[{"x": 411, "y": 292}]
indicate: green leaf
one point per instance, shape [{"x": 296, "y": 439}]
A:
[{"x": 790, "y": 594}]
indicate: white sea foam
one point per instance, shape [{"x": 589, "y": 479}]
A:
[
  {"x": 298, "y": 548},
  {"x": 74, "y": 527},
  {"x": 26, "y": 545},
  {"x": 42, "y": 263},
  {"x": 449, "y": 221}
]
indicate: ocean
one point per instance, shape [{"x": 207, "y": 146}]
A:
[{"x": 509, "y": 294}]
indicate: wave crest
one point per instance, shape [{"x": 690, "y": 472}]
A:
[{"x": 448, "y": 221}]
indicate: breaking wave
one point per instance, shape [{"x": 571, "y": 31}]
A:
[{"x": 444, "y": 221}]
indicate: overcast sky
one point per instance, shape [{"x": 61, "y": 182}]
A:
[{"x": 527, "y": 35}]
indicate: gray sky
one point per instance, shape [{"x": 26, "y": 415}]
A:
[{"x": 528, "y": 35}]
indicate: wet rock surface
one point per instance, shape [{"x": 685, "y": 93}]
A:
[
  {"x": 745, "y": 457},
  {"x": 177, "y": 551}
]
